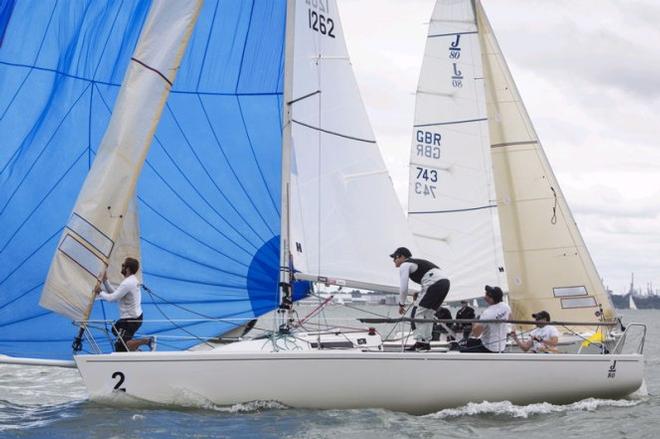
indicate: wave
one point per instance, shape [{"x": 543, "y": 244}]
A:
[
  {"x": 507, "y": 408},
  {"x": 186, "y": 400},
  {"x": 20, "y": 416}
]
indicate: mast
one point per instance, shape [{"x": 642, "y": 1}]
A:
[{"x": 285, "y": 276}]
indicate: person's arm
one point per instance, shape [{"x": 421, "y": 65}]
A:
[
  {"x": 550, "y": 343},
  {"x": 477, "y": 330},
  {"x": 113, "y": 294},
  {"x": 524, "y": 345},
  {"x": 404, "y": 275}
]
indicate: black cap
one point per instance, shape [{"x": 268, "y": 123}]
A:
[
  {"x": 541, "y": 315},
  {"x": 401, "y": 251},
  {"x": 494, "y": 292}
]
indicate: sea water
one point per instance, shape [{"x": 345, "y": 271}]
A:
[{"x": 52, "y": 402}]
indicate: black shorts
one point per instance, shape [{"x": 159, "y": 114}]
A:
[
  {"x": 125, "y": 329},
  {"x": 475, "y": 345},
  {"x": 435, "y": 295}
]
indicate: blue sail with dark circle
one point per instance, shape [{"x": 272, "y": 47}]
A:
[{"x": 208, "y": 196}]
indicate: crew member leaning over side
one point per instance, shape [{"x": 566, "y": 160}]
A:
[{"x": 433, "y": 292}]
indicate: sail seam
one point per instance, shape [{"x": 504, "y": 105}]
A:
[
  {"x": 200, "y": 263},
  {"x": 206, "y": 46},
  {"x": 228, "y": 162},
  {"x": 334, "y": 133},
  {"x": 182, "y": 199},
  {"x": 454, "y": 122},
  {"x": 105, "y": 45},
  {"x": 89, "y": 128},
  {"x": 256, "y": 162},
  {"x": 208, "y": 174},
  {"x": 32, "y": 67},
  {"x": 31, "y": 254},
  {"x": 21, "y": 295},
  {"x": 189, "y": 235},
  {"x": 148, "y": 67},
  {"x": 41, "y": 201},
  {"x": 488, "y": 206},
  {"x": 113, "y": 84},
  {"x": 157, "y": 140},
  {"x": 207, "y": 283},
  {"x": 245, "y": 42},
  {"x": 36, "y": 160}
]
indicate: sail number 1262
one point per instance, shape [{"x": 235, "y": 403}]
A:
[{"x": 319, "y": 22}]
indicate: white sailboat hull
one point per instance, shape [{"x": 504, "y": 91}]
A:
[{"x": 416, "y": 383}]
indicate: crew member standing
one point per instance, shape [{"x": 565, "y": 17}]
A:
[{"x": 433, "y": 292}]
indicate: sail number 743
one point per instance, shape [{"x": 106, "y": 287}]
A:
[{"x": 424, "y": 179}]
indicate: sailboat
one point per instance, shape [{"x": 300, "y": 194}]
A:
[
  {"x": 261, "y": 152},
  {"x": 483, "y": 199}
]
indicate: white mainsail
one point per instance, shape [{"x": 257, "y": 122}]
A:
[
  {"x": 345, "y": 215},
  {"x": 103, "y": 226},
  {"x": 451, "y": 200},
  {"x": 547, "y": 263}
]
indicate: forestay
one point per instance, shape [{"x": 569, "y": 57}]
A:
[{"x": 451, "y": 201}]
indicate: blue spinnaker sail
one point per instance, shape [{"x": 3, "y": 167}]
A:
[{"x": 209, "y": 192}]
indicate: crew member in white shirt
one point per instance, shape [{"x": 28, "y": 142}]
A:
[
  {"x": 433, "y": 292},
  {"x": 543, "y": 338},
  {"x": 492, "y": 336},
  {"x": 129, "y": 296}
]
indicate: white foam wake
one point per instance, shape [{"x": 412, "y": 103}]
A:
[
  {"x": 523, "y": 411},
  {"x": 187, "y": 400}
]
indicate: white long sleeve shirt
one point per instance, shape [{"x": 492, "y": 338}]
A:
[
  {"x": 128, "y": 294},
  {"x": 429, "y": 279}
]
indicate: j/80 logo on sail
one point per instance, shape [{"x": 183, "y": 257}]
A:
[
  {"x": 454, "y": 50},
  {"x": 457, "y": 78}
]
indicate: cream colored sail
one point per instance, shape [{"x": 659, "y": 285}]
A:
[
  {"x": 547, "y": 263},
  {"x": 102, "y": 229}
]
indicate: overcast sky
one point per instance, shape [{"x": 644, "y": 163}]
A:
[{"x": 589, "y": 74}]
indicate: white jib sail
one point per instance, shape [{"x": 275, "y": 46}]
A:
[
  {"x": 345, "y": 215},
  {"x": 451, "y": 200},
  {"x": 547, "y": 263},
  {"x": 104, "y": 219}
]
